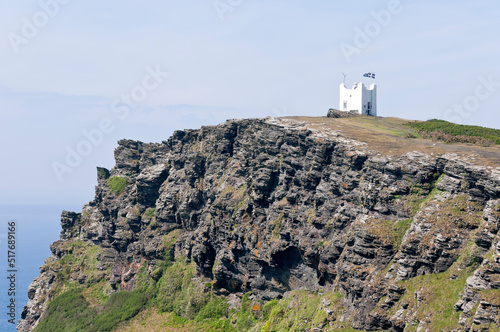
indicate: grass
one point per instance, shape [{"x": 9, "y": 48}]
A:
[
  {"x": 245, "y": 319},
  {"x": 68, "y": 312},
  {"x": 177, "y": 293},
  {"x": 398, "y": 230},
  {"x": 150, "y": 213},
  {"x": 388, "y": 136},
  {"x": 452, "y": 132},
  {"x": 277, "y": 225},
  {"x": 117, "y": 184},
  {"x": 456, "y": 214},
  {"x": 392, "y": 231},
  {"x": 440, "y": 291},
  {"x": 80, "y": 257},
  {"x": 389, "y": 232},
  {"x": 299, "y": 311},
  {"x": 176, "y": 303},
  {"x": 168, "y": 244},
  {"x": 120, "y": 307},
  {"x": 440, "y": 294},
  {"x": 416, "y": 198},
  {"x": 215, "y": 309},
  {"x": 174, "y": 292}
]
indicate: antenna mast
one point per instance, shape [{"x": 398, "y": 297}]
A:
[{"x": 344, "y": 76}]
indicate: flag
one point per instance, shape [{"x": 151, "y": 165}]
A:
[{"x": 371, "y": 75}]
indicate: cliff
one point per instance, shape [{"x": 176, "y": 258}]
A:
[{"x": 280, "y": 225}]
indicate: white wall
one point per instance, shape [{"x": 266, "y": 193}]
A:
[{"x": 357, "y": 98}]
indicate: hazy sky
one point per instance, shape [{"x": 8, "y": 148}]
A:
[{"x": 77, "y": 76}]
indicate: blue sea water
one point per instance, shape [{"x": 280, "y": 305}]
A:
[{"x": 37, "y": 226}]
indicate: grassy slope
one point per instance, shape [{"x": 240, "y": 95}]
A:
[
  {"x": 174, "y": 304},
  {"x": 453, "y": 129},
  {"x": 390, "y": 136}
]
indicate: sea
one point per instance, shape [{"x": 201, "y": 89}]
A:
[{"x": 36, "y": 226}]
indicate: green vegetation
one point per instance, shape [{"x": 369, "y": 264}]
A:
[
  {"x": 451, "y": 132},
  {"x": 102, "y": 172},
  {"x": 399, "y": 229},
  {"x": 389, "y": 231},
  {"x": 68, "y": 312},
  {"x": 277, "y": 225},
  {"x": 172, "y": 299},
  {"x": 416, "y": 198},
  {"x": 117, "y": 184},
  {"x": 216, "y": 309},
  {"x": 169, "y": 298},
  {"x": 437, "y": 293},
  {"x": 88, "y": 308},
  {"x": 301, "y": 311},
  {"x": 245, "y": 319},
  {"x": 150, "y": 213},
  {"x": 120, "y": 307},
  {"x": 177, "y": 293},
  {"x": 80, "y": 257}
]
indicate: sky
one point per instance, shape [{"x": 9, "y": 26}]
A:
[{"x": 77, "y": 76}]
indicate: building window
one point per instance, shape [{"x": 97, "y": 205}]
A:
[{"x": 345, "y": 105}]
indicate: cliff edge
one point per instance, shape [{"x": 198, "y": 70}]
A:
[{"x": 280, "y": 224}]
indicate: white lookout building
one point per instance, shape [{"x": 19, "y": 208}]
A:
[{"x": 359, "y": 99}]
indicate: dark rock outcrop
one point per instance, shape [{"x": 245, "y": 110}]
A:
[
  {"x": 333, "y": 113},
  {"x": 270, "y": 206}
]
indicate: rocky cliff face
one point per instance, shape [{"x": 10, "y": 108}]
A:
[{"x": 272, "y": 206}]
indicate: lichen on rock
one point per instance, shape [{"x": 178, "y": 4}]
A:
[{"x": 282, "y": 212}]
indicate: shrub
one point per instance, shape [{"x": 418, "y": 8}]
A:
[
  {"x": 245, "y": 318},
  {"x": 120, "y": 307},
  {"x": 150, "y": 212},
  {"x": 67, "y": 312},
  {"x": 215, "y": 309},
  {"x": 117, "y": 184},
  {"x": 177, "y": 293},
  {"x": 452, "y": 132}
]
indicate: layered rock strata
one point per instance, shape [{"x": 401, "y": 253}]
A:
[{"x": 269, "y": 206}]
